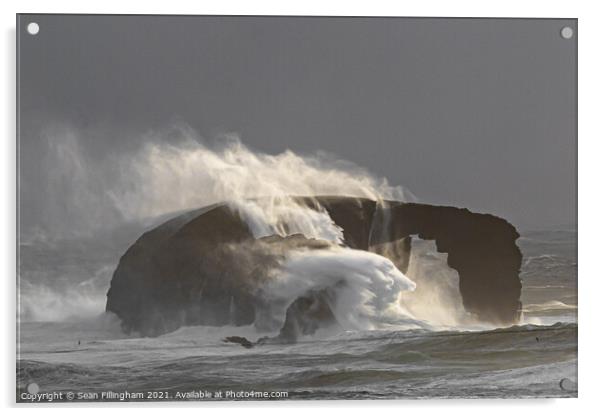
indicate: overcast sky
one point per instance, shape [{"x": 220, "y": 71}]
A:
[{"x": 467, "y": 112}]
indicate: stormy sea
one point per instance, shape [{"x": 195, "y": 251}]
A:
[
  {"x": 66, "y": 343},
  {"x": 124, "y": 293}
]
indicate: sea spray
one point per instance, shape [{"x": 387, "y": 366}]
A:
[
  {"x": 173, "y": 170},
  {"x": 44, "y": 303},
  {"x": 437, "y": 299},
  {"x": 285, "y": 215},
  {"x": 366, "y": 288}
]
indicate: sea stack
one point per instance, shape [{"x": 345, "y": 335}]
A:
[{"x": 204, "y": 267}]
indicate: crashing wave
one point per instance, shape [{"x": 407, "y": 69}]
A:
[{"x": 299, "y": 264}]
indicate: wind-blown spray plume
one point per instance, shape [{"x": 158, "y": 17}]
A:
[{"x": 171, "y": 171}]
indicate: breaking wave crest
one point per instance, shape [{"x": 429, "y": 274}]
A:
[{"x": 364, "y": 288}]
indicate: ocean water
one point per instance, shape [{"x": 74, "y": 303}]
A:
[{"x": 67, "y": 346}]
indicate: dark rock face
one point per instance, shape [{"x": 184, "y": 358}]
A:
[
  {"x": 204, "y": 267},
  {"x": 239, "y": 340},
  {"x": 482, "y": 248},
  {"x": 306, "y": 315}
]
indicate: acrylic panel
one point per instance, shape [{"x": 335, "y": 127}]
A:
[{"x": 289, "y": 208}]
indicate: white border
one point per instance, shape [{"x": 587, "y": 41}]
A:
[
  {"x": 590, "y": 233},
  {"x": 460, "y": 8}
]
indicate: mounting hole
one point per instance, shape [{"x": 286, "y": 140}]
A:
[
  {"x": 33, "y": 388},
  {"x": 33, "y": 28},
  {"x": 567, "y": 384},
  {"x": 566, "y": 32}
]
